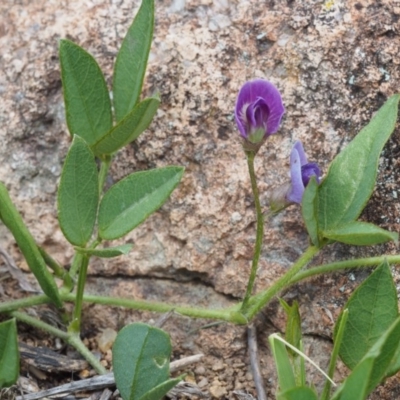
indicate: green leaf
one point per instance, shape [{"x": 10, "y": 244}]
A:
[
  {"x": 87, "y": 102},
  {"x": 356, "y": 384},
  {"x": 78, "y": 194},
  {"x": 130, "y": 201},
  {"x": 293, "y": 325},
  {"x": 309, "y": 209},
  {"x": 108, "y": 252},
  {"x": 13, "y": 221},
  {"x": 129, "y": 128},
  {"x": 298, "y": 393},
  {"x": 284, "y": 368},
  {"x": 383, "y": 353},
  {"x": 9, "y": 354},
  {"x": 361, "y": 234},
  {"x": 131, "y": 62},
  {"x": 141, "y": 355},
  {"x": 335, "y": 352},
  {"x": 162, "y": 389},
  {"x": 372, "y": 309},
  {"x": 394, "y": 366},
  {"x": 352, "y": 175}
]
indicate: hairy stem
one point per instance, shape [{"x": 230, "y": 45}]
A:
[
  {"x": 59, "y": 271},
  {"x": 228, "y": 314},
  {"x": 341, "y": 265},
  {"x": 71, "y": 339},
  {"x": 259, "y": 234},
  {"x": 260, "y": 300},
  {"x": 75, "y": 324}
]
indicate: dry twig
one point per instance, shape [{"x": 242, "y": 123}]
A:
[
  {"x": 254, "y": 362},
  {"x": 100, "y": 382}
]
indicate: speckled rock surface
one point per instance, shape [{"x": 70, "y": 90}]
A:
[{"x": 335, "y": 63}]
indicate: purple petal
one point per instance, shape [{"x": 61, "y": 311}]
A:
[
  {"x": 256, "y": 116},
  {"x": 309, "y": 170},
  {"x": 300, "y": 149},
  {"x": 255, "y": 91},
  {"x": 296, "y": 193}
]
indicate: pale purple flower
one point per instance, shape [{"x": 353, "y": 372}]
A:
[
  {"x": 301, "y": 172},
  {"x": 258, "y": 111}
]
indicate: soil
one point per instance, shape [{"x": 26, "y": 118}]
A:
[{"x": 335, "y": 63}]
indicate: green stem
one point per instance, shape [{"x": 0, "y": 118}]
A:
[
  {"x": 71, "y": 339},
  {"x": 12, "y": 305},
  {"x": 341, "y": 265},
  {"x": 259, "y": 234},
  {"x": 75, "y": 325},
  {"x": 260, "y": 300},
  {"x": 222, "y": 314},
  {"x": 74, "y": 340},
  {"x": 228, "y": 314},
  {"x": 59, "y": 271}
]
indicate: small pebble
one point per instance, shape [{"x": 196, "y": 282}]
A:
[
  {"x": 203, "y": 383},
  {"x": 200, "y": 370},
  {"x": 106, "y": 339},
  {"x": 217, "y": 390},
  {"x": 219, "y": 366}
]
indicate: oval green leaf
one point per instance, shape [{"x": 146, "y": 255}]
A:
[
  {"x": 13, "y": 221},
  {"x": 131, "y": 62},
  {"x": 78, "y": 193},
  {"x": 9, "y": 354},
  {"x": 141, "y": 355},
  {"x": 130, "y": 201},
  {"x": 372, "y": 310},
  {"x": 352, "y": 175},
  {"x": 87, "y": 102},
  {"x": 129, "y": 128},
  {"x": 107, "y": 252},
  {"x": 361, "y": 234},
  {"x": 309, "y": 209}
]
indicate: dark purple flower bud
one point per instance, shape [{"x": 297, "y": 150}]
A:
[
  {"x": 301, "y": 172},
  {"x": 258, "y": 112}
]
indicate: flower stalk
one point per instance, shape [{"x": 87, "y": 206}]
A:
[{"x": 259, "y": 232}]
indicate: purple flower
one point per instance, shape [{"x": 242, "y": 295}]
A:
[
  {"x": 258, "y": 111},
  {"x": 301, "y": 172}
]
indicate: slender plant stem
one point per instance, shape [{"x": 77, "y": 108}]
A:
[
  {"x": 259, "y": 234},
  {"x": 37, "y": 323},
  {"x": 261, "y": 299},
  {"x": 71, "y": 339},
  {"x": 75, "y": 324},
  {"x": 59, "y": 271},
  {"x": 341, "y": 265},
  {"x": 227, "y": 314},
  {"x": 13, "y": 305},
  {"x": 223, "y": 314},
  {"x": 74, "y": 340}
]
